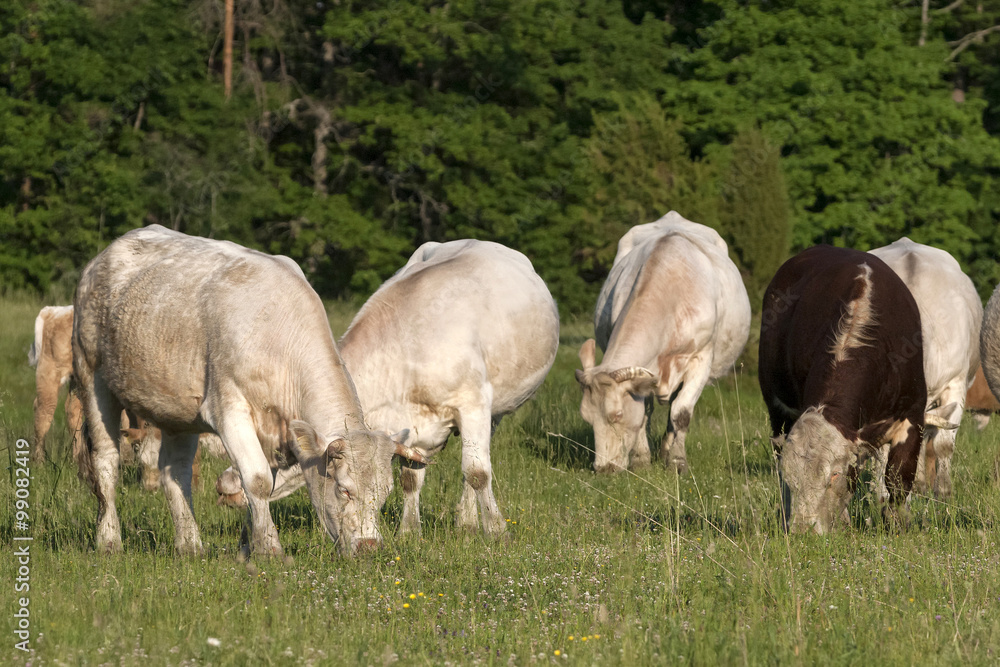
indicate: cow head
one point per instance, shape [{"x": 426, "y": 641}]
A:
[
  {"x": 348, "y": 478},
  {"x": 815, "y": 461},
  {"x": 614, "y": 404}
]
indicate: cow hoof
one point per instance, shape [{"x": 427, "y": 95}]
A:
[
  {"x": 110, "y": 546},
  {"x": 638, "y": 463},
  {"x": 679, "y": 466},
  {"x": 409, "y": 530},
  {"x": 237, "y": 500},
  {"x": 188, "y": 550},
  {"x": 151, "y": 480},
  {"x": 607, "y": 468}
]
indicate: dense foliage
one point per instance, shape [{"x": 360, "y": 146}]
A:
[{"x": 358, "y": 129}]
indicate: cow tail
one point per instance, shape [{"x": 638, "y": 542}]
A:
[
  {"x": 82, "y": 447},
  {"x": 36, "y": 345}
]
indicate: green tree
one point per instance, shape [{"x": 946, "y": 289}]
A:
[
  {"x": 638, "y": 169},
  {"x": 755, "y": 211}
]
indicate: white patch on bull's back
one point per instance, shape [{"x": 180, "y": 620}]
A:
[{"x": 852, "y": 331}]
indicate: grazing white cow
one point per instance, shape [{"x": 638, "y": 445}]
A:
[
  {"x": 672, "y": 315},
  {"x": 989, "y": 342},
  {"x": 463, "y": 334},
  {"x": 197, "y": 335},
  {"x": 951, "y": 315}
]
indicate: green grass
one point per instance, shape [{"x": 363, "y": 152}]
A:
[{"x": 648, "y": 568}]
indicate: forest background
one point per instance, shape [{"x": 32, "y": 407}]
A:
[{"x": 353, "y": 131}]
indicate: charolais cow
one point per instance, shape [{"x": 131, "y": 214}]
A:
[
  {"x": 951, "y": 315},
  {"x": 980, "y": 401},
  {"x": 989, "y": 342},
  {"x": 672, "y": 315},
  {"x": 841, "y": 372},
  {"x": 51, "y": 355},
  {"x": 463, "y": 334},
  {"x": 197, "y": 335}
]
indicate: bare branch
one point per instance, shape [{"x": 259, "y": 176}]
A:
[
  {"x": 970, "y": 39},
  {"x": 953, "y": 6}
]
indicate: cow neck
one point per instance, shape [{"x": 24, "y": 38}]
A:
[
  {"x": 328, "y": 399},
  {"x": 631, "y": 344}
]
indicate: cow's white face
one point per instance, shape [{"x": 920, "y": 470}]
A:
[
  {"x": 614, "y": 404},
  {"x": 815, "y": 461},
  {"x": 348, "y": 481}
]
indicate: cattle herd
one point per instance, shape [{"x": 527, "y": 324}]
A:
[{"x": 175, "y": 340}]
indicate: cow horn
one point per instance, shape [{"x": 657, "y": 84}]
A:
[
  {"x": 631, "y": 372},
  {"x": 410, "y": 454},
  {"x": 939, "y": 422}
]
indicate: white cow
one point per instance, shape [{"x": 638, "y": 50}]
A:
[
  {"x": 951, "y": 315},
  {"x": 672, "y": 315},
  {"x": 989, "y": 342},
  {"x": 197, "y": 335},
  {"x": 464, "y": 333}
]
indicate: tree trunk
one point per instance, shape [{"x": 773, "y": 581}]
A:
[
  {"x": 324, "y": 125},
  {"x": 227, "y": 51},
  {"x": 925, "y": 20}
]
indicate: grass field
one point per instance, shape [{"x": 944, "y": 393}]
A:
[{"x": 643, "y": 568}]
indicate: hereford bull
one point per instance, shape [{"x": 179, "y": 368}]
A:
[
  {"x": 463, "y": 334},
  {"x": 951, "y": 315},
  {"x": 672, "y": 315},
  {"x": 841, "y": 372},
  {"x": 198, "y": 335}
]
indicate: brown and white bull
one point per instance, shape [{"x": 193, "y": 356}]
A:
[
  {"x": 198, "y": 335},
  {"x": 463, "y": 334},
  {"x": 951, "y": 315},
  {"x": 841, "y": 372},
  {"x": 672, "y": 315},
  {"x": 51, "y": 355}
]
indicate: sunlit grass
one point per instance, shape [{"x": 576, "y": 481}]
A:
[{"x": 643, "y": 568}]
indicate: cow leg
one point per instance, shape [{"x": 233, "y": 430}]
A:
[
  {"x": 74, "y": 419},
  {"x": 477, "y": 472},
  {"x": 176, "y": 456},
  {"x": 672, "y": 449},
  {"x": 150, "y": 468},
  {"x": 880, "y": 460},
  {"x": 103, "y": 424},
  {"x": 411, "y": 478},
  {"x": 944, "y": 440},
  {"x": 46, "y": 399},
  {"x": 982, "y": 420},
  {"x": 244, "y": 449}
]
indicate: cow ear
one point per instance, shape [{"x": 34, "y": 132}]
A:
[
  {"x": 307, "y": 443},
  {"x": 583, "y": 377},
  {"x": 335, "y": 450},
  {"x": 643, "y": 385},
  {"x": 587, "y": 353},
  {"x": 778, "y": 443}
]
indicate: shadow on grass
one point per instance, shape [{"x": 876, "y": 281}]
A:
[{"x": 572, "y": 450}]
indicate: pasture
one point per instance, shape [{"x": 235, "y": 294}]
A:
[{"x": 644, "y": 568}]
